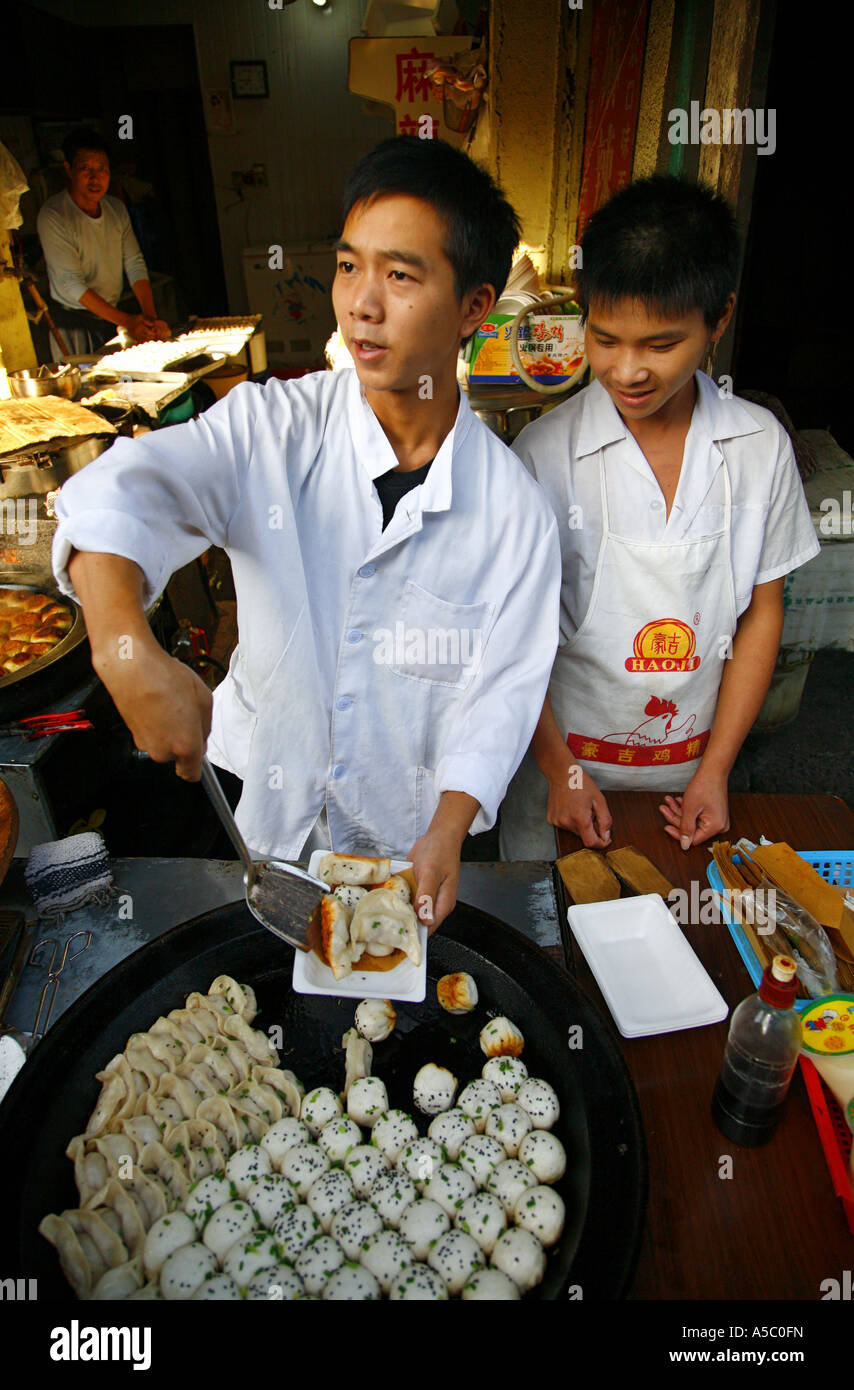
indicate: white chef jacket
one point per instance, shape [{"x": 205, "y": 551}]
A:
[
  {"x": 334, "y": 694},
  {"x": 771, "y": 528},
  {"x": 88, "y": 253}
]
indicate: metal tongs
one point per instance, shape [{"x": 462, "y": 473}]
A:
[
  {"x": 19, "y": 1045},
  {"x": 41, "y": 725},
  {"x": 51, "y": 984}
]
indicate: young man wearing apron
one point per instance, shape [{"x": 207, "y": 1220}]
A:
[{"x": 680, "y": 511}]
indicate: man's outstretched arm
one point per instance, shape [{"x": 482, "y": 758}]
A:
[{"x": 164, "y": 704}]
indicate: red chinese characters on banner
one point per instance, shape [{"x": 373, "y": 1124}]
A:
[
  {"x": 613, "y": 101},
  {"x": 413, "y": 84},
  {"x": 637, "y": 755},
  {"x": 415, "y": 89}
]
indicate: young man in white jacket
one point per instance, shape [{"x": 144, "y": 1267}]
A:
[
  {"x": 681, "y": 511},
  {"x": 397, "y": 570}
]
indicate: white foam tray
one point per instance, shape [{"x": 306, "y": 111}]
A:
[
  {"x": 651, "y": 979},
  {"x": 405, "y": 982}
]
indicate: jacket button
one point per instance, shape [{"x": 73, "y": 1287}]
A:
[
  {"x": 344, "y": 702},
  {"x": 367, "y": 570},
  {"x": 354, "y": 635},
  {"x": 338, "y": 770}
]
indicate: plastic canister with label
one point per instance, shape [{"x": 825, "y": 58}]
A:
[{"x": 828, "y": 1040}]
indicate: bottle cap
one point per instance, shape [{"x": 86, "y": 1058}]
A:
[
  {"x": 783, "y": 968},
  {"x": 779, "y": 982}
]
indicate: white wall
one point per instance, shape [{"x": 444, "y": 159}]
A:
[{"x": 309, "y": 132}]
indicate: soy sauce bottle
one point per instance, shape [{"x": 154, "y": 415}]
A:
[{"x": 762, "y": 1049}]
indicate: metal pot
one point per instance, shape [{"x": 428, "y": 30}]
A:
[
  {"x": 49, "y": 380},
  {"x": 74, "y": 456},
  {"x": 38, "y": 473},
  {"x": 507, "y": 421}
]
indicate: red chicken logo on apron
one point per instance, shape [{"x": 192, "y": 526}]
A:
[{"x": 657, "y": 728}]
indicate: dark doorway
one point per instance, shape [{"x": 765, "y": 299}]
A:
[
  {"x": 65, "y": 74},
  {"x": 150, "y": 73},
  {"x": 793, "y": 335}
]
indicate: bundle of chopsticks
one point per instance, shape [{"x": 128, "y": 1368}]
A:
[{"x": 787, "y": 929}]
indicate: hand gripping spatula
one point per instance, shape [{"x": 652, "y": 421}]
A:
[{"x": 285, "y": 900}]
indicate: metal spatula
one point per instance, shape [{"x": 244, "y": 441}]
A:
[{"x": 285, "y": 899}]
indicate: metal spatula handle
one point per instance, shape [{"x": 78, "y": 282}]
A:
[{"x": 210, "y": 782}]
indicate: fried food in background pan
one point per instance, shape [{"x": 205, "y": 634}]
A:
[{"x": 31, "y": 625}]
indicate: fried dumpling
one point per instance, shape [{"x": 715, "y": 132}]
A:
[
  {"x": 349, "y": 894},
  {"x": 142, "y": 1059},
  {"x": 335, "y": 935},
  {"x": 119, "y": 1283},
  {"x": 91, "y": 1170},
  {"x": 180, "y": 1089},
  {"x": 381, "y": 919},
  {"x": 117, "y": 1150},
  {"x": 197, "y": 1144},
  {"x": 287, "y": 1087},
  {"x": 217, "y": 1111},
  {"x": 358, "y": 1058},
  {"x": 227, "y": 1065},
  {"x": 352, "y": 868},
  {"x": 140, "y": 1130},
  {"x": 397, "y": 884},
  {"x": 375, "y": 1019},
  {"x": 128, "y": 1209},
  {"x": 202, "y": 1080},
  {"x": 88, "y": 1227},
  {"x": 157, "y": 1160},
  {"x": 112, "y": 1097},
  {"x": 151, "y": 1194},
  {"x": 252, "y": 1040},
  {"x": 241, "y": 998},
  {"x": 457, "y": 993},
  {"x": 75, "y": 1266}
]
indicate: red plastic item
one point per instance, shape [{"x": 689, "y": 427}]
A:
[
  {"x": 835, "y": 1137},
  {"x": 780, "y": 993}
]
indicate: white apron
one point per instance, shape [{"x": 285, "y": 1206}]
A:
[{"x": 634, "y": 691}]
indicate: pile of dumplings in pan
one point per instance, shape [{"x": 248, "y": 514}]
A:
[
  {"x": 207, "y": 1173},
  {"x": 369, "y": 912}
]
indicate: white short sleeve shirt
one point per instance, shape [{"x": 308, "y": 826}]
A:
[
  {"x": 375, "y": 669},
  {"x": 771, "y": 528},
  {"x": 88, "y": 253}
]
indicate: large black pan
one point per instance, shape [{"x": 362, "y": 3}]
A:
[{"x": 605, "y": 1186}]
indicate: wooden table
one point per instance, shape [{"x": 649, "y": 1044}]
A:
[{"x": 774, "y": 1229}]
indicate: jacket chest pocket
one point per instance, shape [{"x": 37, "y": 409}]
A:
[{"x": 437, "y": 642}]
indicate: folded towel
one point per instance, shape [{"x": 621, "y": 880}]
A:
[{"x": 66, "y": 874}]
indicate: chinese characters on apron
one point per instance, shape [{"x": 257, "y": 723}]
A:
[{"x": 634, "y": 691}]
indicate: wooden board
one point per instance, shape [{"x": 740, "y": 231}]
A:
[{"x": 8, "y": 828}]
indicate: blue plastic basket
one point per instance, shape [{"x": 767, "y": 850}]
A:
[{"x": 835, "y": 866}]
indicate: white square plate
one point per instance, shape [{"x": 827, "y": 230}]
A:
[
  {"x": 406, "y": 981},
  {"x": 651, "y": 979}
]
